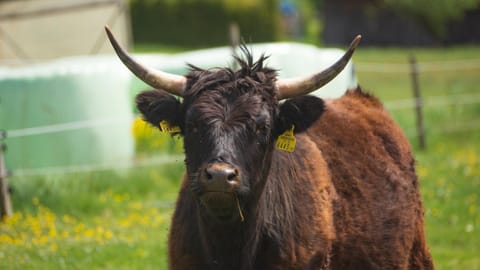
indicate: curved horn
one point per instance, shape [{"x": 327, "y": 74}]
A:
[
  {"x": 288, "y": 88},
  {"x": 171, "y": 83}
]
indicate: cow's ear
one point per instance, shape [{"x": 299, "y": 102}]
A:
[
  {"x": 300, "y": 111},
  {"x": 158, "y": 105}
]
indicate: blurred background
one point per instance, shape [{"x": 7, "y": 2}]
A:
[{"x": 85, "y": 183}]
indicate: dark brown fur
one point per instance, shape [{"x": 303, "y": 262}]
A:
[{"x": 346, "y": 198}]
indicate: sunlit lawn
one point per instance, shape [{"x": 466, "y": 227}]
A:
[
  {"x": 119, "y": 220},
  {"x": 101, "y": 220},
  {"x": 451, "y": 190}
]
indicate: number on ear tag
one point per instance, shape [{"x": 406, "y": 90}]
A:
[
  {"x": 167, "y": 128},
  {"x": 286, "y": 141}
]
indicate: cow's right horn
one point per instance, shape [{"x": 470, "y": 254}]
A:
[
  {"x": 171, "y": 83},
  {"x": 288, "y": 88}
]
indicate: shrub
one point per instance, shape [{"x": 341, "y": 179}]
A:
[{"x": 202, "y": 23}]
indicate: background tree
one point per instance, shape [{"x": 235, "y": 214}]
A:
[{"x": 434, "y": 15}]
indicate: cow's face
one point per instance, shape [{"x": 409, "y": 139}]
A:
[{"x": 229, "y": 122}]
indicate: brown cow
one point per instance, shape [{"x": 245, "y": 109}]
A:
[{"x": 347, "y": 197}]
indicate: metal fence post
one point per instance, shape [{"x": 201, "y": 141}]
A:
[
  {"x": 418, "y": 103},
  {"x": 5, "y": 202}
]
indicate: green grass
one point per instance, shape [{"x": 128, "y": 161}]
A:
[
  {"x": 102, "y": 220},
  {"x": 450, "y": 175},
  {"x": 119, "y": 220}
]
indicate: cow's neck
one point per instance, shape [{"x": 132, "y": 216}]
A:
[
  {"x": 233, "y": 245},
  {"x": 222, "y": 243}
]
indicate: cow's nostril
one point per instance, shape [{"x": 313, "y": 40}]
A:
[
  {"x": 232, "y": 176},
  {"x": 208, "y": 175}
]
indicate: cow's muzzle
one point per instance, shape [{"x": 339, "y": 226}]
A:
[
  {"x": 219, "y": 182},
  {"x": 219, "y": 177}
]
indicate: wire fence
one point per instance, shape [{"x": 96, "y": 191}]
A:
[
  {"x": 67, "y": 127},
  {"x": 417, "y": 102},
  {"x": 424, "y": 67},
  {"x": 432, "y": 101},
  {"x": 118, "y": 165}
]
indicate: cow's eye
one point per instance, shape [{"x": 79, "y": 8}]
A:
[
  {"x": 262, "y": 132},
  {"x": 192, "y": 127}
]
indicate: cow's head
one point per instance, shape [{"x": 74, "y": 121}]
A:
[{"x": 229, "y": 121}]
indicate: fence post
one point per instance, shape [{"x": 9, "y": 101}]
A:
[
  {"x": 5, "y": 203},
  {"x": 418, "y": 102},
  {"x": 234, "y": 33}
]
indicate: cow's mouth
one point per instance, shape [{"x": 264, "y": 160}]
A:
[{"x": 221, "y": 205}]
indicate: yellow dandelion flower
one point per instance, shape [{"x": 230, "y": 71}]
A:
[
  {"x": 53, "y": 247},
  {"x": 102, "y": 198},
  {"x": 157, "y": 220},
  {"x": 88, "y": 233},
  {"x": 141, "y": 129},
  {"x": 68, "y": 219},
  {"x": 65, "y": 234},
  {"x": 40, "y": 241},
  {"x": 100, "y": 229},
  {"x": 135, "y": 206},
  {"x": 118, "y": 198},
  {"x": 422, "y": 171},
  {"x": 472, "y": 209},
  {"x": 145, "y": 220},
  {"x": 108, "y": 235},
  {"x": 35, "y": 201},
  {"x": 52, "y": 233},
  {"x": 18, "y": 242},
  {"x": 78, "y": 228},
  {"x": 36, "y": 229},
  {"x": 142, "y": 253},
  {"x": 14, "y": 219},
  {"x": 125, "y": 223},
  {"x": 6, "y": 239}
]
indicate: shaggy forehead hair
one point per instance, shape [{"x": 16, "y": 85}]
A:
[{"x": 252, "y": 78}]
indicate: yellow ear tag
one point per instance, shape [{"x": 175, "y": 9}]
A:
[
  {"x": 166, "y": 127},
  {"x": 286, "y": 141}
]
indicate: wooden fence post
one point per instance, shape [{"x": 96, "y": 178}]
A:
[
  {"x": 5, "y": 203},
  {"x": 418, "y": 102}
]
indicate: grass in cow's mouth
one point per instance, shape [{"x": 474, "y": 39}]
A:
[{"x": 220, "y": 204}]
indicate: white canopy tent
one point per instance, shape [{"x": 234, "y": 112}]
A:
[{"x": 36, "y": 30}]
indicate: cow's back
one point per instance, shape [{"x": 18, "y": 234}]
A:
[{"x": 378, "y": 214}]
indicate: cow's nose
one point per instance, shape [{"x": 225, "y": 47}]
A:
[{"x": 220, "y": 177}]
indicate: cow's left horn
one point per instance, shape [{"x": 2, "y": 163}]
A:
[
  {"x": 288, "y": 88},
  {"x": 171, "y": 83}
]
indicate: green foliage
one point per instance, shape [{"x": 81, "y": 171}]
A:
[
  {"x": 201, "y": 23},
  {"x": 435, "y": 15},
  {"x": 312, "y": 24},
  {"x": 149, "y": 140}
]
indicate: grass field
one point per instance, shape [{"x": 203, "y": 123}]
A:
[{"x": 120, "y": 219}]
